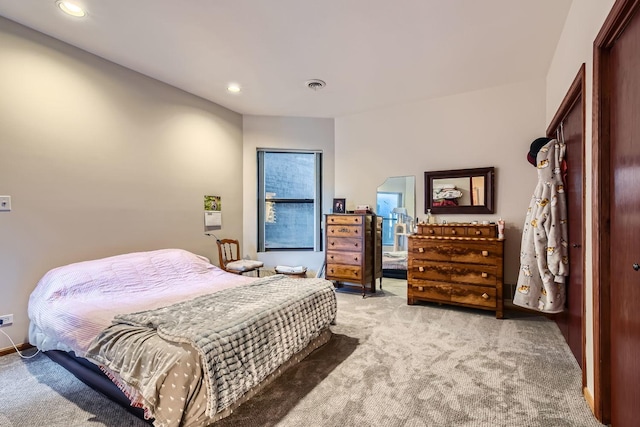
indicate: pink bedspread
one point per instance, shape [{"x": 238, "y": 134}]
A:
[{"x": 72, "y": 304}]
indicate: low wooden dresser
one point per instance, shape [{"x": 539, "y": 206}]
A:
[
  {"x": 354, "y": 249},
  {"x": 460, "y": 264}
]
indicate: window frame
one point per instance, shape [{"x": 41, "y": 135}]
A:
[{"x": 317, "y": 200}]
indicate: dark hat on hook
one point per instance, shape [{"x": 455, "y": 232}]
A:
[{"x": 536, "y": 145}]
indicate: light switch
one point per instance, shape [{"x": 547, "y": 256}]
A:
[{"x": 5, "y": 203}]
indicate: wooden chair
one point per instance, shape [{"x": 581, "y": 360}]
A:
[{"x": 229, "y": 254}]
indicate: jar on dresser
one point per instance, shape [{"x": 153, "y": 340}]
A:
[
  {"x": 459, "y": 264},
  {"x": 353, "y": 250}
]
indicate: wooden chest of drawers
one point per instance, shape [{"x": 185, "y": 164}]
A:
[
  {"x": 460, "y": 264},
  {"x": 354, "y": 249}
]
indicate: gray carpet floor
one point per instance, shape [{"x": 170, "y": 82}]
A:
[{"x": 387, "y": 364}]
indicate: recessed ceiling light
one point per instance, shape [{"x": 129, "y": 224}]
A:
[
  {"x": 71, "y": 9},
  {"x": 234, "y": 88}
]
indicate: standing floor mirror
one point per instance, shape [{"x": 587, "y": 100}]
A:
[{"x": 396, "y": 204}]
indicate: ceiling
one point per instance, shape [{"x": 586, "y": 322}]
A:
[{"x": 371, "y": 53}]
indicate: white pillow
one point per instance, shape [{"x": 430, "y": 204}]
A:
[
  {"x": 244, "y": 265},
  {"x": 287, "y": 269}
]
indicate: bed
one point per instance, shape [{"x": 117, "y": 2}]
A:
[
  {"x": 181, "y": 339},
  {"x": 394, "y": 264}
]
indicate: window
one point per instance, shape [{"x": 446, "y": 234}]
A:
[{"x": 289, "y": 200}]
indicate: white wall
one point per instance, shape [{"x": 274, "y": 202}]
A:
[
  {"x": 574, "y": 48},
  {"x": 490, "y": 127},
  {"x": 100, "y": 160},
  {"x": 284, "y": 133}
]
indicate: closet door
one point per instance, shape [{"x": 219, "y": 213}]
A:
[{"x": 568, "y": 124}]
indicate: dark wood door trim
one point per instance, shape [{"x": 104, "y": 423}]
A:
[
  {"x": 618, "y": 18},
  {"x": 576, "y": 92},
  {"x": 576, "y": 89}
]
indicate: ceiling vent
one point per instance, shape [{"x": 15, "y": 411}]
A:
[{"x": 315, "y": 84}]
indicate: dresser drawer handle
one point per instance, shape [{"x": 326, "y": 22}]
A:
[
  {"x": 355, "y": 258},
  {"x": 485, "y": 275},
  {"x": 485, "y": 296},
  {"x": 421, "y": 250},
  {"x": 431, "y": 232},
  {"x": 421, "y": 288},
  {"x": 355, "y": 231},
  {"x": 331, "y": 257},
  {"x": 333, "y": 243},
  {"x": 332, "y": 270},
  {"x": 485, "y": 253},
  {"x": 333, "y": 219},
  {"x": 453, "y": 231},
  {"x": 356, "y": 272},
  {"x": 478, "y": 232},
  {"x": 356, "y": 219},
  {"x": 421, "y": 269},
  {"x": 355, "y": 244}
]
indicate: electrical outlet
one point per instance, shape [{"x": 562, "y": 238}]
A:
[
  {"x": 6, "y": 320},
  {"x": 5, "y": 203}
]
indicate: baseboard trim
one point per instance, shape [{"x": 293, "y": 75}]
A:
[
  {"x": 589, "y": 398},
  {"x": 9, "y": 350}
]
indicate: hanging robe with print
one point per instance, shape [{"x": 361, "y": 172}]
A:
[{"x": 544, "y": 252}]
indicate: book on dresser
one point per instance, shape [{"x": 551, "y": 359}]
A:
[
  {"x": 459, "y": 264},
  {"x": 353, "y": 250}
]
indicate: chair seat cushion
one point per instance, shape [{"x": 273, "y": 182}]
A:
[{"x": 244, "y": 265}]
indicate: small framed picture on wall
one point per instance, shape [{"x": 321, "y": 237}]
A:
[{"x": 338, "y": 205}]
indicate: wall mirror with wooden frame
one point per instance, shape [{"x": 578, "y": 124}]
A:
[{"x": 459, "y": 191}]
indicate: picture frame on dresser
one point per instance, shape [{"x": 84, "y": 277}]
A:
[{"x": 339, "y": 206}]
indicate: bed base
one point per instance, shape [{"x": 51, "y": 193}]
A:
[
  {"x": 91, "y": 375},
  {"x": 394, "y": 273}
]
